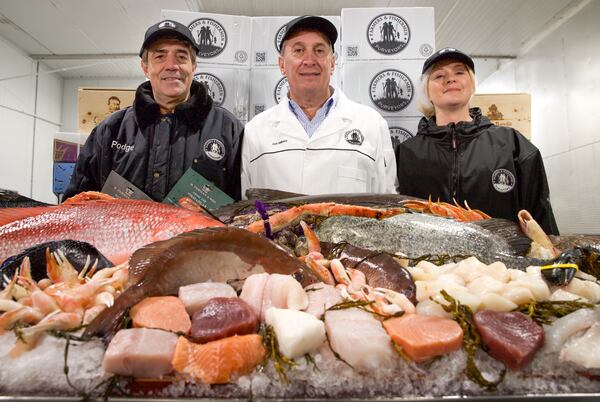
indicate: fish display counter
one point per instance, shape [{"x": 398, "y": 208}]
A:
[{"x": 371, "y": 298}]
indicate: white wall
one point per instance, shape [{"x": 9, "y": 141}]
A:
[
  {"x": 28, "y": 123},
  {"x": 71, "y": 86},
  {"x": 562, "y": 74}
]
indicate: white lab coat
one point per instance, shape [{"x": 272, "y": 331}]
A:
[{"x": 278, "y": 154}]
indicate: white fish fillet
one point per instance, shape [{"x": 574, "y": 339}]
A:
[
  {"x": 584, "y": 351},
  {"x": 359, "y": 339},
  {"x": 560, "y": 330},
  {"x": 195, "y": 296},
  {"x": 253, "y": 290},
  {"x": 140, "y": 352}
]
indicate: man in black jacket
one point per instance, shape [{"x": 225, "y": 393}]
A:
[{"x": 172, "y": 126}]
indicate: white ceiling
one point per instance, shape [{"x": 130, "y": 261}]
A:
[{"x": 101, "y": 38}]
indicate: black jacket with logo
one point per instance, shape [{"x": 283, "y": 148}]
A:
[
  {"x": 153, "y": 151},
  {"x": 495, "y": 169}
]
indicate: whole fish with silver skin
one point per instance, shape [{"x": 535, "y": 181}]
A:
[
  {"x": 217, "y": 254},
  {"x": 116, "y": 227},
  {"x": 417, "y": 235}
]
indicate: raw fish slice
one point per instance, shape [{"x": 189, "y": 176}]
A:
[
  {"x": 161, "y": 312},
  {"x": 584, "y": 351},
  {"x": 218, "y": 361},
  {"x": 513, "y": 338},
  {"x": 423, "y": 337},
  {"x": 359, "y": 339},
  {"x": 195, "y": 296},
  {"x": 297, "y": 332},
  {"x": 561, "y": 329},
  {"x": 253, "y": 291},
  {"x": 222, "y": 317},
  {"x": 320, "y": 297},
  {"x": 283, "y": 291},
  {"x": 140, "y": 352}
]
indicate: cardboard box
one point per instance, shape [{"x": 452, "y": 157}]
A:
[
  {"x": 387, "y": 33},
  {"x": 95, "y": 104},
  {"x": 510, "y": 110},
  {"x": 228, "y": 87},
  {"x": 388, "y": 87},
  {"x": 268, "y": 86},
  {"x": 267, "y": 33},
  {"x": 224, "y": 39}
]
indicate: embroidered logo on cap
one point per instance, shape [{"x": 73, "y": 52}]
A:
[
  {"x": 166, "y": 24},
  {"x": 354, "y": 137},
  {"x": 388, "y": 34},
  {"x": 503, "y": 180},
  {"x": 214, "y": 149}
]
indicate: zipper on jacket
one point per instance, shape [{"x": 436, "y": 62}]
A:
[{"x": 454, "y": 189}]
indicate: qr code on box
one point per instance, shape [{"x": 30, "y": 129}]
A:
[
  {"x": 351, "y": 51},
  {"x": 260, "y": 57},
  {"x": 258, "y": 109}
]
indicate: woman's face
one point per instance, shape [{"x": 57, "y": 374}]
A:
[{"x": 450, "y": 85}]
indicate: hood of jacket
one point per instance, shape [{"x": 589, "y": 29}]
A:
[
  {"x": 464, "y": 129},
  {"x": 193, "y": 111}
]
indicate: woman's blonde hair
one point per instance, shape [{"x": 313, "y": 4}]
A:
[{"x": 424, "y": 104}]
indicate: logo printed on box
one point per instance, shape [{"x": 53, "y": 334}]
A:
[
  {"x": 388, "y": 34},
  {"x": 241, "y": 56},
  {"x": 279, "y": 35},
  {"x": 210, "y": 35},
  {"x": 214, "y": 86},
  {"x": 426, "y": 50},
  {"x": 391, "y": 90},
  {"x": 400, "y": 135},
  {"x": 281, "y": 88}
]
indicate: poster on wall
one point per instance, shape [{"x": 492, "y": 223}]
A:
[{"x": 96, "y": 104}]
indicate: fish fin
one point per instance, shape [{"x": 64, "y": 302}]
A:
[
  {"x": 88, "y": 196},
  {"x": 107, "y": 323},
  {"x": 8, "y": 215},
  {"x": 265, "y": 194},
  {"x": 509, "y": 231}
]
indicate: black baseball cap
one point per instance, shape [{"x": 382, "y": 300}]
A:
[
  {"x": 321, "y": 24},
  {"x": 168, "y": 27},
  {"x": 448, "y": 53}
]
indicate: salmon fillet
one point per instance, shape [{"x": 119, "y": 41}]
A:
[
  {"x": 217, "y": 361},
  {"x": 423, "y": 337},
  {"x": 161, "y": 312}
]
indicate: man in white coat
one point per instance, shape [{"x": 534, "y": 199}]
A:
[{"x": 316, "y": 141}]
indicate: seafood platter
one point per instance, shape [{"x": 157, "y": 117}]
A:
[{"x": 336, "y": 297}]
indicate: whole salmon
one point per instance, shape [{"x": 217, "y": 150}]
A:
[{"x": 116, "y": 227}]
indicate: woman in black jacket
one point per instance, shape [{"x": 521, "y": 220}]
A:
[{"x": 458, "y": 154}]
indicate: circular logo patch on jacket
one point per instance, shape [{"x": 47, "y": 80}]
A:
[
  {"x": 391, "y": 90},
  {"x": 214, "y": 149},
  {"x": 214, "y": 86},
  {"x": 503, "y": 180},
  {"x": 210, "y": 35},
  {"x": 281, "y": 89},
  {"x": 354, "y": 137},
  {"x": 388, "y": 33}
]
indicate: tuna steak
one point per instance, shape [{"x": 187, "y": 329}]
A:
[
  {"x": 222, "y": 317},
  {"x": 417, "y": 235},
  {"x": 219, "y": 254},
  {"x": 116, "y": 227},
  {"x": 513, "y": 338}
]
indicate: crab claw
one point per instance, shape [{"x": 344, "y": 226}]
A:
[{"x": 397, "y": 299}]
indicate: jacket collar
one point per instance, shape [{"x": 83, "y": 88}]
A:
[
  {"x": 193, "y": 111},
  {"x": 428, "y": 126}
]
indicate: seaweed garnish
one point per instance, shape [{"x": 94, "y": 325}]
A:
[
  {"x": 280, "y": 362},
  {"x": 362, "y": 305},
  {"x": 545, "y": 312},
  {"x": 311, "y": 361},
  {"x": 463, "y": 315},
  {"x": 336, "y": 354},
  {"x": 437, "y": 259},
  {"x": 400, "y": 352}
]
